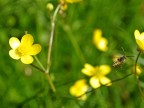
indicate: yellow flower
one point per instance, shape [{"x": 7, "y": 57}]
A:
[
  {"x": 99, "y": 41},
  {"x": 139, "y": 37},
  {"x": 97, "y": 74},
  {"x": 50, "y": 6},
  {"x": 138, "y": 69},
  {"x": 64, "y": 3},
  {"x": 73, "y": 1},
  {"x": 23, "y": 50},
  {"x": 79, "y": 88}
]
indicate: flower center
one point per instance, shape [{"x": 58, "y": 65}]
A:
[
  {"x": 98, "y": 73},
  {"x": 21, "y": 51}
]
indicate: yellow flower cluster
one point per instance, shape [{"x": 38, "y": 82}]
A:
[
  {"x": 97, "y": 78},
  {"x": 99, "y": 41},
  {"x": 23, "y": 49}
]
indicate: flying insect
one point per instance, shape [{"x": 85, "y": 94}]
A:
[{"x": 120, "y": 60}]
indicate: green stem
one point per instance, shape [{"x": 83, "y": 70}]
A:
[
  {"x": 51, "y": 83},
  {"x": 107, "y": 84},
  {"x": 74, "y": 43},
  {"x": 20, "y": 105},
  {"x": 42, "y": 69},
  {"x": 40, "y": 64},
  {"x": 51, "y": 38},
  {"x": 137, "y": 78}
]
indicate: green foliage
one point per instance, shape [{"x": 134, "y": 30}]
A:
[{"x": 72, "y": 48}]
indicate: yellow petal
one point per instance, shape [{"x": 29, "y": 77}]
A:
[
  {"x": 64, "y": 7},
  {"x": 140, "y": 44},
  {"x": 97, "y": 36},
  {"x": 14, "y": 42},
  {"x": 142, "y": 35},
  {"x": 72, "y": 90},
  {"x": 79, "y": 88},
  {"x": 27, "y": 40},
  {"x": 88, "y": 70},
  {"x": 102, "y": 44},
  {"x": 27, "y": 59},
  {"x": 34, "y": 49},
  {"x": 136, "y": 34},
  {"x": 75, "y": 92},
  {"x": 83, "y": 97},
  {"x": 73, "y": 1},
  {"x": 105, "y": 81},
  {"x": 94, "y": 82},
  {"x": 138, "y": 69},
  {"x": 14, "y": 55},
  {"x": 99, "y": 41},
  {"x": 104, "y": 69},
  {"x": 139, "y": 39},
  {"x": 81, "y": 84}
]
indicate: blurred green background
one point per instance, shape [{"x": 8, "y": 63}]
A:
[{"x": 22, "y": 86}]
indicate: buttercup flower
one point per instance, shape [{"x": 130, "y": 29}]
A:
[
  {"x": 50, "y": 6},
  {"x": 99, "y": 41},
  {"x": 64, "y": 3},
  {"x": 72, "y": 1},
  {"x": 138, "y": 69},
  {"x": 23, "y": 49},
  {"x": 97, "y": 74},
  {"x": 139, "y": 37},
  {"x": 79, "y": 88}
]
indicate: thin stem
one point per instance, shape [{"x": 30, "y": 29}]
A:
[
  {"x": 51, "y": 83},
  {"x": 107, "y": 84},
  {"x": 51, "y": 38},
  {"x": 121, "y": 78},
  {"x": 20, "y": 105},
  {"x": 40, "y": 64},
  {"x": 137, "y": 78},
  {"x": 74, "y": 43},
  {"x": 42, "y": 69}
]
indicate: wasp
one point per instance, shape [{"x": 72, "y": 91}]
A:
[{"x": 121, "y": 60}]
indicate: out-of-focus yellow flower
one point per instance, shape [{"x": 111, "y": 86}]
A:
[
  {"x": 73, "y": 1},
  {"x": 50, "y": 6},
  {"x": 99, "y": 41},
  {"x": 79, "y": 88},
  {"x": 139, "y": 37},
  {"x": 138, "y": 69},
  {"x": 97, "y": 74},
  {"x": 24, "y": 49},
  {"x": 64, "y": 3}
]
